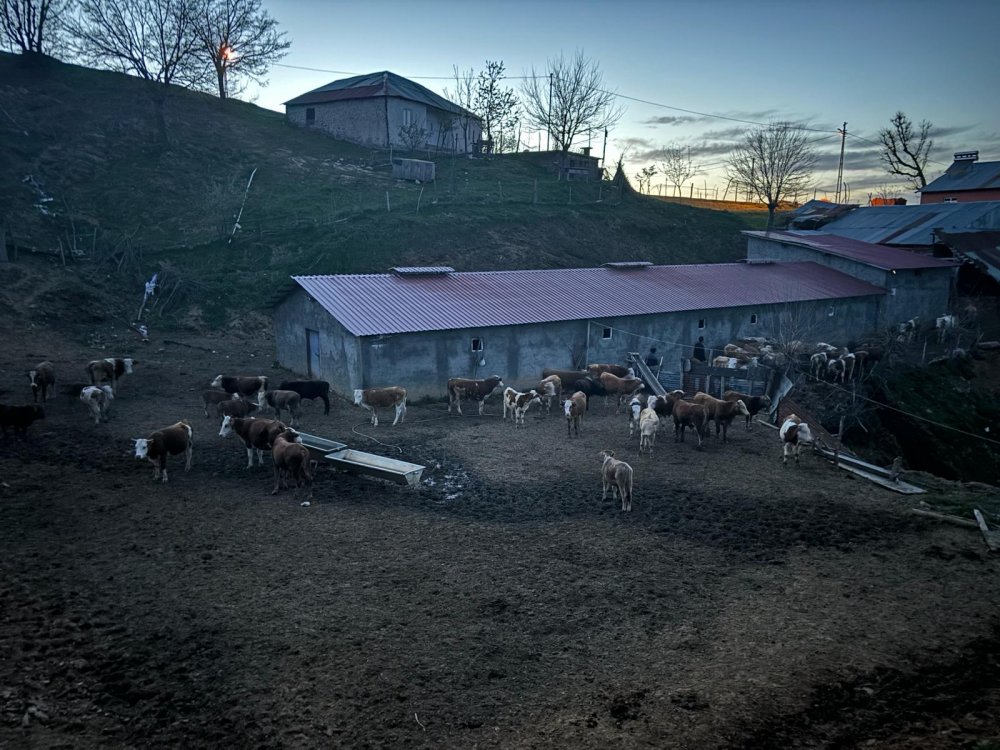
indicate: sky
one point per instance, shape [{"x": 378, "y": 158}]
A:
[{"x": 697, "y": 74}]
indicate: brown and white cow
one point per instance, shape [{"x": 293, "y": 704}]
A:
[
  {"x": 42, "y": 378},
  {"x": 472, "y": 389},
  {"x": 517, "y": 403},
  {"x": 291, "y": 461},
  {"x": 257, "y": 434},
  {"x": 170, "y": 441},
  {"x": 244, "y": 386},
  {"x": 794, "y": 434},
  {"x": 616, "y": 475},
  {"x": 374, "y": 399},
  {"x": 110, "y": 369},
  {"x": 550, "y": 389},
  {"x": 687, "y": 414},
  {"x": 214, "y": 397},
  {"x": 574, "y": 408},
  {"x": 623, "y": 388},
  {"x": 98, "y": 400},
  {"x": 289, "y": 401}
]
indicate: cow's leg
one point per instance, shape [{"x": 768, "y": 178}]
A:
[
  {"x": 374, "y": 419},
  {"x": 784, "y": 453},
  {"x": 482, "y": 405},
  {"x": 156, "y": 469},
  {"x": 260, "y": 456},
  {"x": 277, "y": 479},
  {"x": 188, "y": 455},
  {"x": 400, "y": 413},
  {"x": 249, "y": 456}
]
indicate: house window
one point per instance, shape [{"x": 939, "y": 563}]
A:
[
  {"x": 753, "y": 319},
  {"x": 701, "y": 322},
  {"x": 310, "y": 115},
  {"x": 950, "y": 200},
  {"x": 477, "y": 345},
  {"x": 407, "y": 118},
  {"x": 606, "y": 333}
]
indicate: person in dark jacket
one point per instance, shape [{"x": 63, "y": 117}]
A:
[
  {"x": 651, "y": 359},
  {"x": 699, "y": 350}
]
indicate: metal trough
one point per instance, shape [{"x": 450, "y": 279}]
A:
[
  {"x": 359, "y": 462},
  {"x": 319, "y": 447}
]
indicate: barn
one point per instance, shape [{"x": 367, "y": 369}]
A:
[{"x": 418, "y": 326}]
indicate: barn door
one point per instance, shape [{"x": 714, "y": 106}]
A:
[{"x": 312, "y": 352}]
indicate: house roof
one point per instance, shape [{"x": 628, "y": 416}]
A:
[
  {"x": 966, "y": 175},
  {"x": 980, "y": 248},
  {"x": 878, "y": 256},
  {"x": 373, "y": 304},
  {"x": 914, "y": 225},
  {"x": 371, "y": 85}
]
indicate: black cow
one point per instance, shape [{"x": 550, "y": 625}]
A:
[
  {"x": 19, "y": 417},
  {"x": 309, "y": 389}
]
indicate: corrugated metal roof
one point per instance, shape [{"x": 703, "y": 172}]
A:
[
  {"x": 981, "y": 248},
  {"x": 878, "y": 256},
  {"x": 383, "y": 83},
  {"x": 914, "y": 225},
  {"x": 962, "y": 175},
  {"x": 368, "y": 305}
]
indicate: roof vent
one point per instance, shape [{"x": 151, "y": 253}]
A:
[
  {"x": 967, "y": 156},
  {"x": 627, "y": 265},
  {"x": 422, "y": 270}
]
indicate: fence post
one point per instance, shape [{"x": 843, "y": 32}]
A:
[
  {"x": 419, "y": 197},
  {"x": 534, "y": 197},
  {"x": 387, "y": 206}
]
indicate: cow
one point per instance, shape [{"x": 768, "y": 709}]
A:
[
  {"x": 687, "y": 414},
  {"x": 257, "y": 434},
  {"x": 577, "y": 380},
  {"x": 470, "y": 388},
  {"x": 243, "y": 386},
  {"x": 721, "y": 411},
  {"x": 170, "y": 441},
  {"x": 573, "y": 408},
  {"x": 754, "y": 404},
  {"x": 289, "y": 401},
  {"x": 907, "y": 330},
  {"x": 649, "y": 423},
  {"x": 517, "y": 403},
  {"x": 42, "y": 378},
  {"x": 235, "y": 407},
  {"x": 850, "y": 362},
  {"x": 794, "y": 433},
  {"x": 309, "y": 389},
  {"x": 19, "y": 417},
  {"x": 595, "y": 371},
  {"x": 291, "y": 461},
  {"x": 215, "y": 396},
  {"x": 550, "y": 389},
  {"x": 98, "y": 400},
  {"x": 624, "y": 388},
  {"x": 818, "y": 363},
  {"x": 110, "y": 368},
  {"x": 616, "y": 475},
  {"x": 945, "y": 325},
  {"x": 835, "y": 370},
  {"x": 634, "y": 411},
  {"x": 374, "y": 399}
]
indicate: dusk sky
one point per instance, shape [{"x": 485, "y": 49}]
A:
[{"x": 697, "y": 64}]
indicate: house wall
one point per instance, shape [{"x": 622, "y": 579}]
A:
[
  {"x": 922, "y": 292},
  {"x": 960, "y": 196},
  {"x": 363, "y": 121},
  {"x": 422, "y": 362}
]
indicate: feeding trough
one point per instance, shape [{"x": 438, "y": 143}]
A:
[
  {"x": 359, "y": 462},
  {"x": 319, "y": 447}
]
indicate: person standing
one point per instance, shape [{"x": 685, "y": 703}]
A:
[{"x": 699, "y": 350}]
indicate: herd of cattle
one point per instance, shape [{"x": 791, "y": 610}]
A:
[{"x": 239, "y": 401}]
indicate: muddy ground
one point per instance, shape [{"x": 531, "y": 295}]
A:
[{"x": 502, "y": 603}]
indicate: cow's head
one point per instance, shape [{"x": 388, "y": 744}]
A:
[
  {"x": 217, "y": 382},
  {"x": 262, "y": 396},
  {"x": 567, "y": 405},
  {"x": 227, "y": 426},
  {"x": 108, "y": 391},
  {"x": 128, "y": 362},
  {"x": 359, "y": 394},
  {"x": 742, "y": 408},
  {"x": 290, "y": 436},
  {"x": 141, "y": 447}
]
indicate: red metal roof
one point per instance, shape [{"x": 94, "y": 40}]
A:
[
  {"x": 373, "y": 304},
  {"x": 879, "y": 256}
]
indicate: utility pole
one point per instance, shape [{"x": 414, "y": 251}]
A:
[
  {"x": 840, "y": 168},
  {"x": 604, "y": 151},
  {"x": 548, "y": 144}
]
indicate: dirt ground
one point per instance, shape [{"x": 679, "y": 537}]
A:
[{"x": 502, "y": 603}]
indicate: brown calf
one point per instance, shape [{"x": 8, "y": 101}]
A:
[
  {"x": 289, "y": 401},
  {"x": 721, "y": 412},
  {"x": 170, "y": 441},
  {"x": 687, "y": 414},
  {"x": 291, "y": 461},
  {"x": 624, "y": 388},
  {"x": 469, "y": 388},
  {"x": 374, "y": 399},
  {"x": 215, "y": 396},
  {"x": 235, "y": 407},
  {"x": 574, "y": 408},
  {"x": 42, "y": 378},
  {"x": 257, "y": 434},
  {"x": 616, "y": 475}
]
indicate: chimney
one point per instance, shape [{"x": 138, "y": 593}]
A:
[
  {"x": 969, "y": 156},
  {"x": 963, "y": 162}
]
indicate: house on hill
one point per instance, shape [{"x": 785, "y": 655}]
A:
[
  {"x": 965, "y": 181},
  {"x": 386, "y": 110}
]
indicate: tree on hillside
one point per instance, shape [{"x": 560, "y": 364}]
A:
[
  {"x": 463, "y": 96},
  {"x": 772, "y": 162},
  {"x": 30, "y": 26},
  {"x": 645, "y": 178},
  {"x": 153, "y": 39},
  {"x": 240, "y": 40},
  {"x": 497, "y": 107},
  {"x": 905, "y": 151},
  {"x": 570, "y": 100},
  {"x": 676, "y": 166}
]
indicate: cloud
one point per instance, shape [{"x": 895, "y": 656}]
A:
[{"x": 672, "y": 120}]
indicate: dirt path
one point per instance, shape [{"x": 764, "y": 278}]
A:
[{"x": 502, "y": 604}]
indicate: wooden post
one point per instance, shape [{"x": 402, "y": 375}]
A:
[
  {"x": 3, "y": 245},
  {"x": 388, "y": 208},
  {"x": 534, "y": 197},
  {"x": 419, "y": 197}
]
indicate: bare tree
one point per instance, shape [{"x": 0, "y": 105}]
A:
[
  {"x": 676, "y": 166},
  {"x": 463, "y": 96},
  {"x": 773, "y": 162},
  {"x": 496, "y": 106},
  {"x": 905, "y": 152},
  {"x": 28, "y": 25},
  {"x": 645, "y": 178},
  {"x": 241, "y": 40},
  {"x": 153, "y": 39},
  {"x": 413, "y": 136},
  {"x": 570, "y": 100}
]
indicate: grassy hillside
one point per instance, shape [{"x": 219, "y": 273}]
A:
[{"x": 119, "y": 174}]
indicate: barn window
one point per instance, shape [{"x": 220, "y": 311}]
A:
[
  {"x": 477, "y": 345},
  {"x": 407, "y": 117},
  {"x": 829, "y": 311},
  {"x": 753, "y": 318},
  {"x": 310, "y": 115},
  {"x": 701, "y": 322},
  {"x": 606, "y": 333}
]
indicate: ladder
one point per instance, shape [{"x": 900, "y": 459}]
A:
[{"x": 645, "y": 374}]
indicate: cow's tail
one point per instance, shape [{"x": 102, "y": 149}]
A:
[{"x": 326, "y": 402}]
